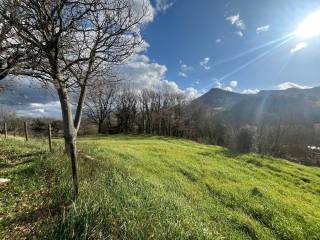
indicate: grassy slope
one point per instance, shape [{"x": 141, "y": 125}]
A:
[{"x": 162, "y": 188}]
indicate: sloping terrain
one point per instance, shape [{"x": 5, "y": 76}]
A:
[
  {"x": 292, "y": 105},
  {"x": 140, "y": 187}
]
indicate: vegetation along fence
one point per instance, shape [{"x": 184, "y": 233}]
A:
[
  {"x": 25, "y": 131},
  {"x": 313, "y": 155}
]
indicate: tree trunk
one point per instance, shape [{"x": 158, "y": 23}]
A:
[
  {"x": 70, "y": 136},
  {"x": 100, "y": 127}
]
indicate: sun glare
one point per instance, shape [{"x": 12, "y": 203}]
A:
[{"x": 310, "y": 27}]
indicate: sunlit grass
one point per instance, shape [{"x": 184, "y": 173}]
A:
[{"x": 143, "y": 187}]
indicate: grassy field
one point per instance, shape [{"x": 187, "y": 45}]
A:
[{"x": 155, "y": 188}]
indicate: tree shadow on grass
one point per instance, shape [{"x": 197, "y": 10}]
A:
[
  {"x": 20, "y": 159},
  {"x": 225, "y": 152},
  {"x": 127, "y": 137},
  {"x": 25, "y": 224},
  {"x": 34, "y": 216},
  {"x": 231, "y": 154}
]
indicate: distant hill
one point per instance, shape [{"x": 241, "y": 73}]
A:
[
  {"x": 292, "y": 105},
  {"x": 218, "y": 98}
]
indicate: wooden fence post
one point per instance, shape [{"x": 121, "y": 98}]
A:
[
  {"x": 5, "y": 131},
  {"x": 26, "y": 131},
  {"x": 49, "y": 137}
]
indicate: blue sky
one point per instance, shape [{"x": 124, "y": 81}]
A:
[{"x": 197, "y": 42}]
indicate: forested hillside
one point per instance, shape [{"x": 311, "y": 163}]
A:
[{"x": 299, "y": 106}]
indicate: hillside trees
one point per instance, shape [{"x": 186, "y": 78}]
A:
[
  {"x": 126, "y": 109},
  {"x": 70, "y": 44},
  {"x": 7, "y": 116},
  {"x": 100, "y": 102},
  {"x": 157, "y": 110},
  {"x": 245, "y": 139}
]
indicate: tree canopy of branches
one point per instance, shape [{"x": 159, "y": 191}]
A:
[
  {"x": 68, "y": 44},
  {"x": 8, "y": 48},
  {"x": 150, "y": 111},
  {"x": 6, "y": 114},
  {"x": 100, "y": 103},
  {"x": 126, "y": 109},
  {"x": 7, "y": 58}
]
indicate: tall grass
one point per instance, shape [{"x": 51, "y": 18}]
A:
[{"x": 141, "y": 187}]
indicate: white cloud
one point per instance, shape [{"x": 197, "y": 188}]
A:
[
  {"x": 299, "y": 47},
  {"x": 144, "y": 5},
  {"x": 49, "y": 109},
  {"x": 163, "y": 5},
  {"x": 141, "y": 73},
  {"x": 218, "y": 84},
  {"x": 237, "y": 21},
  {"x": 229, "y": 89},
  {"x": 239, "y": 33},
  {"x": 262, "y": 29},
  {"x": 204, "y": 63},
  {"x": 219, "y": 40},
  {"x": 191, "y": 93},
  {"x": 184, "y": 68},
  {"x": 182, "y": 74},
  {"x": 287, "y": 85},
  {"x": 233, "y": 84},
  {"x": 250, "y": 91}
]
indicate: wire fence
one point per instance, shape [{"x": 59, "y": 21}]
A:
[{"x": 27, "y": 132}]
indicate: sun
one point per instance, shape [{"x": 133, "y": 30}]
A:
[{"x": 310, "y": 26}]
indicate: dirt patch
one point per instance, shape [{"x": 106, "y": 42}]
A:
[{"x": 4, "y": 181}]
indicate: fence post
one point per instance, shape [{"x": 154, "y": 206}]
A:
[
  {"x": 26, "y": 131},
  {"x": 49, "y": 137},
  {"x": 5, "y": 131}
]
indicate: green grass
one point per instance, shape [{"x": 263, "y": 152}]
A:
[{"x": 142, "y": 187}]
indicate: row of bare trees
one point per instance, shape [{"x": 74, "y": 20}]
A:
[{"x": 158, "y": 110}]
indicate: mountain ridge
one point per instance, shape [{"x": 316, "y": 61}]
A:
[{"x": 296, "y": 105}]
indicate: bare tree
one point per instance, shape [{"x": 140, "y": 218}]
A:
[
  {"x": 13, "y": 53},
  {"x": 245, "y": 139},
  {"x": 73, "y": 43},
  {"x": 100, "y": 102},
  {"x": 126, "y": 109},
  {"x": 10, "y": 48},
  {"x": 161, "y": 111},
  {"x": 6, "y": 57},
  {"x": 144, "y": 100},
  {"x": 6, "y": 114}
]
